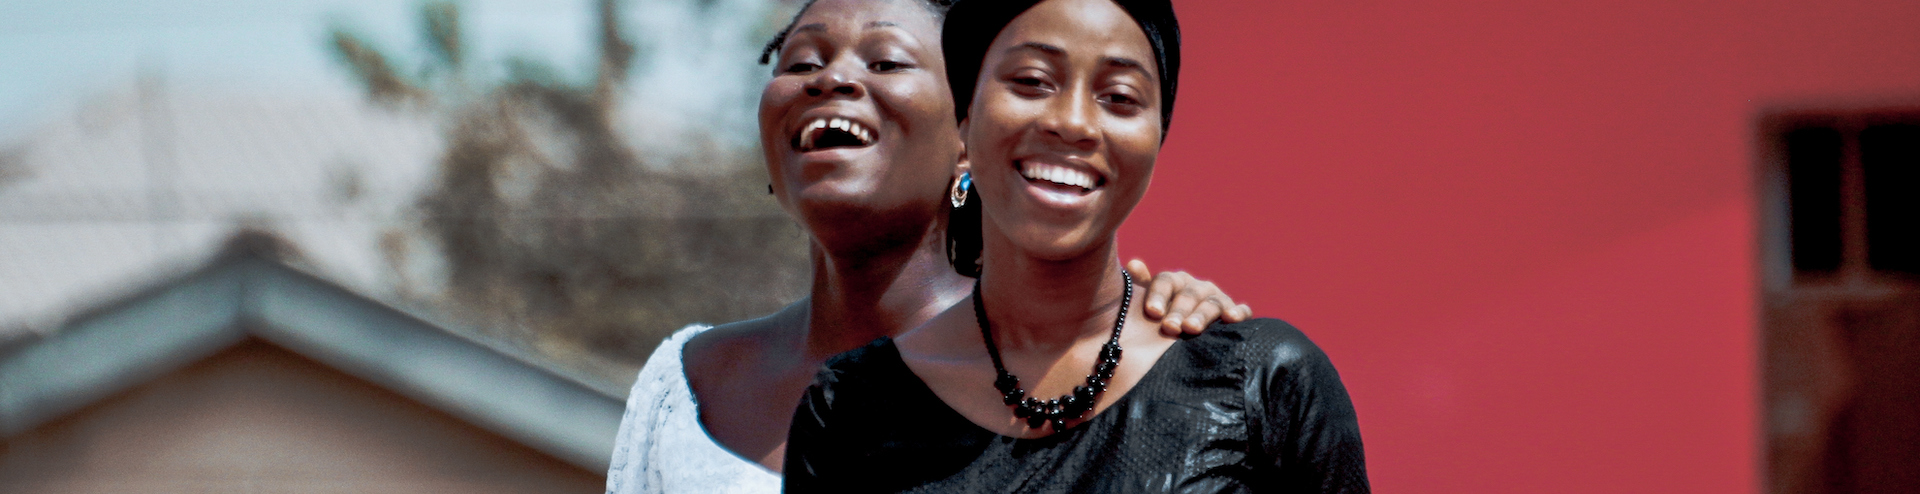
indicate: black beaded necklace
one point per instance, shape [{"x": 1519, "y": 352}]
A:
[{"x": 1074, "y": 405}]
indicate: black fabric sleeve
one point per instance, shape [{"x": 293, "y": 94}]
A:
[
  {"x": 808, "y": 466},
  {"x": 1308, "y": 433},
  {"x": 867, "y": 424}
]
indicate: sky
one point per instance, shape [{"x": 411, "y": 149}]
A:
[
  {"x": 61, "y": 52},
  {"x": 58, "y": 53}
]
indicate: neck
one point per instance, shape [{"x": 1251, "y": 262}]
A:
[
  {"x": 1044, "y": 305},
  {"x": 860, "y": 296}
]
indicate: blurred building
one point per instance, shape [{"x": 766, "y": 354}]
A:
[
  {"x": 1841, "y": 298},
  {"x": 249, "y": 372}
]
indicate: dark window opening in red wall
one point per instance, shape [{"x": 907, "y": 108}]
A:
[
  {"x": 1890, "y": 163},
  {"x": 1853, "y": 195},
  {"x": 1841, "y": 300},
  {"x": 1813, "y": 189}
]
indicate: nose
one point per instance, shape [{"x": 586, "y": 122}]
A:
[
  {"x": 837, "y": 79},
  {"x": 1070, "y": 118}
]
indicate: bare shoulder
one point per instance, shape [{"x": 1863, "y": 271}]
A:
[
  {"x": 718, "y": 351},
  {"x": 950, "y": 335}
]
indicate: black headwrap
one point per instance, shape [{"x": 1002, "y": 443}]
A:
[{"x": 971, "y": 26}]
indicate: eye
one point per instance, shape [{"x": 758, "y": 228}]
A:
[
  {"x": 1030, "y": 83},
  {"x": 1120, "y": 99},
  {"x": 886, "y": 66},
  {"x": 799, "y": 68}
]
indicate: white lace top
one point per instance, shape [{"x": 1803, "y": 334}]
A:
[{"x": 663, "y": 449}]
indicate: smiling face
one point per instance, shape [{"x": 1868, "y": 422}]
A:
[
  {"x": 1064, "y": 128},
  {"x": 857, "y": 123}
]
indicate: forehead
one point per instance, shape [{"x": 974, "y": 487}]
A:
[
  {"x": 848, "y": 16},
  {"x": 1097, "y": 28}
]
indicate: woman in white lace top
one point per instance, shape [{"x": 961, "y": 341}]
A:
[{"x": 861, "y": 142}]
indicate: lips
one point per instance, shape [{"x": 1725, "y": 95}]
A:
[{"x": 832, "y": 132}]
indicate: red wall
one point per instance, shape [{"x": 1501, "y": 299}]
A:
[{"x": 1524, "y": 230}]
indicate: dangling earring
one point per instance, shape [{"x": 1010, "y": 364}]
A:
[
  {"x": 958, "y": 195},
  {"x": 963, "y": 228}
]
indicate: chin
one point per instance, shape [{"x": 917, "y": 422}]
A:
[
  {"x": 1061, "y": 245},
  {"x": 864, "y": 204},
  {"x": 832, "y": 193}
]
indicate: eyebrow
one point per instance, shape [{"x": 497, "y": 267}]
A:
[
  {"x": 875, "y": 24},
  {"x": 1126, "y": 63},
  {"x": 1112, "y": 62},
  {"x": 811, "y": 27},
  {"x": 1040, "y": 47}
]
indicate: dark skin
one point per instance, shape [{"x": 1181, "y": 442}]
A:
[
  {"x": 1067, "y": 94},
  {"x": 874, "y": 215}
]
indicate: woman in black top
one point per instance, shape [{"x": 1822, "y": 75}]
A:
[{"x": 1045, "y": 380}]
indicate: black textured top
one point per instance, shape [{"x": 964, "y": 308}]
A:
[{"x": 1247, "y": 407}]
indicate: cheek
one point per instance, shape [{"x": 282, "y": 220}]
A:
[
  {"x": 1136, "y": 146},
  {"x": 775, "y": 99},
  {"x": 999, "y": 121},
  {"x": 917, "y": 105}
]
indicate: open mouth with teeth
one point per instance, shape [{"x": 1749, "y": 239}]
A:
[
  {"x": 1072, "y": 179},
  {"x": 828, "y": 133}
]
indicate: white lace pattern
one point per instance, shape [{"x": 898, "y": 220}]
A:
[{"x": 663, "y": 449}]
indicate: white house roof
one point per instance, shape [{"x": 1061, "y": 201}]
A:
[{"x": 250, "y": 291}]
